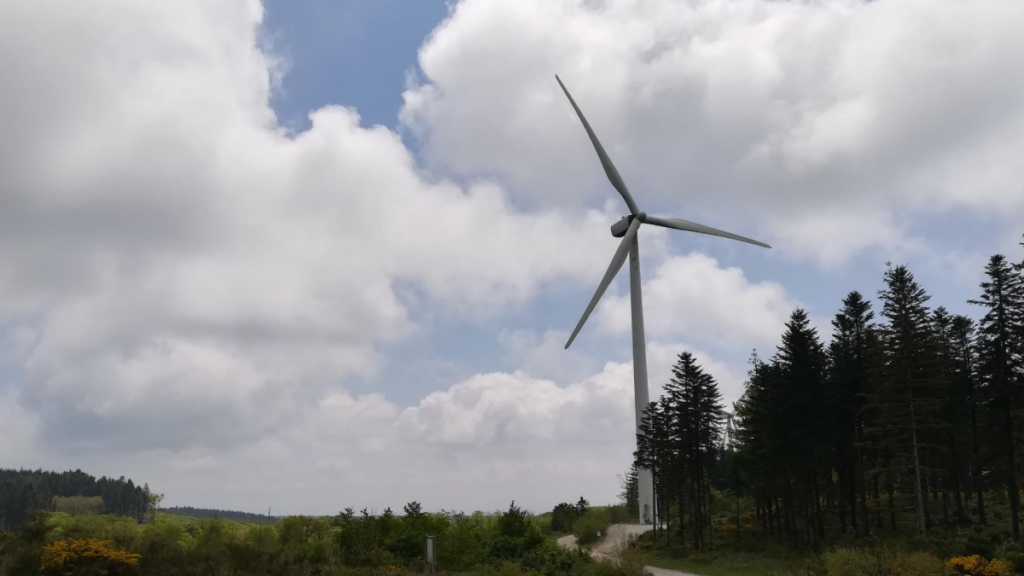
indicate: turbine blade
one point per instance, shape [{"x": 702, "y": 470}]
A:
[
  {"x": 606, "y": 162},
  {"x": 687, "y": 226},
  {"x": 620, "y": 256}
]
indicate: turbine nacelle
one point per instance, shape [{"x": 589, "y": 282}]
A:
[{"x": 619, "y": 228}]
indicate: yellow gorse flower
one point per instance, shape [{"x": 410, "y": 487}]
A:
[
  {"x": 978, "y": 566},
  {"x": 64, "y": 552}
]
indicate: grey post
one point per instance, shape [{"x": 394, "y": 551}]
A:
[{"x": 429, "y": 555}]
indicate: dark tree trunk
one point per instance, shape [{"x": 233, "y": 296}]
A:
[
  {"x": 1011, "y": 474},
  {"x": 892, "y": 505},
  {"x": 878, "y": 504},
  {"x": 841, "y": 488}
]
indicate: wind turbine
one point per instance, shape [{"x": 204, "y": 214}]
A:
[
  {"x": 626, "y": 229},
  {"x": 730, "y": 427}
]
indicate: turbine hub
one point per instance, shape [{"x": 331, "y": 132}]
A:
[{"x": 620, "y": 227}]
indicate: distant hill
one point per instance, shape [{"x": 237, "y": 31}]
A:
[{"x": 227, "y": 514}]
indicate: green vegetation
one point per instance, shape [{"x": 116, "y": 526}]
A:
[
  {"x": 227, "y": 514},
  {"x": 591, "y": 526},
  {"x": 897, "y": 448},
  {"x": 508, "y": 543}
]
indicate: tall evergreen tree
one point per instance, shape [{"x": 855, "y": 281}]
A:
[
  {"x": 1001, "y": 370},
  {"x": 802, "y": 366},
  {"x": 909, "y": 398},
  {"x": 965, "y": 388},
  {"x": 954, "y": 414},
  {"x": 679, "y": 440},
  {"x": 854, "y": 340}
]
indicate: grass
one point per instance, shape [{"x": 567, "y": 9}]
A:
[{"x": 729, "y": 564}]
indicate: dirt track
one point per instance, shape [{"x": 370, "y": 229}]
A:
[{"x": 617, "y": 534}]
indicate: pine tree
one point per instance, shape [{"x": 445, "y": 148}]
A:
[
  {"x": 1000, "y": 355},
  {"x": 953, "y": 413},
  {"x": 630, "y": 495},
  {"x": 965, "y": 386},
  {"x": 679, "y": 439},
  {"x": 854, "y": 339},
  {"x": 908, "y": 399},
  {"x": 802, "y": 369}
]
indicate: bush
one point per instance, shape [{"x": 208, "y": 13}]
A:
[
  {"x": 588, "y": 527},
  {"x": 1016, "y": 561},
  {"x": 1013, "y": 554},
  {"x": 631, "y": 559},
  {"x": 916, "y": 564},
  {"x": 881, "y": 562},
  {"x": 603, "y": 569},
  {"x": 619, "y": 514},
  {"x": 85, "y": 557},
  {"x": 853, "y": 562},
  {"x": 978, "y": 566},
  {"x": 981, "y": 543}
]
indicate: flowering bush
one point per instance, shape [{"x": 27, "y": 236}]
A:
[
  {"x": 85, "y": 557},
  {"x": 978, "y": 566}
]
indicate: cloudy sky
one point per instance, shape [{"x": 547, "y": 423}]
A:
[{"x": 315, "y": 254}]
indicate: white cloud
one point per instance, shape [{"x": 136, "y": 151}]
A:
[
  {"x": 693, "y": 296},
  {"x": 188, "y": 289},
  {"x": 545, "y": 356},
  {"x": 795, "y": 113},
  {"x": 21, "y": 428},
  {"x": 177, "y": 264},
  {"x": 514, "y": 408}
]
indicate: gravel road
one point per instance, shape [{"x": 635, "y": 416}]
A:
[{"x": 617, "y": 534}]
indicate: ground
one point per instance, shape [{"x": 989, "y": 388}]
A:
[{"x": 617, "y": 534}]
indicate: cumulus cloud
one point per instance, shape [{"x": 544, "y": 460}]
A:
[
  {"x": 188, "y": 288},
  {"x": 544, "y": 355},
  {"x": 179, "y": 266},
  {"x": 796, "y": 113},
  {"x": 692, "y": 295}
]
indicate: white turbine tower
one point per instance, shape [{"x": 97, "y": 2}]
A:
[
  {"x": 626, "y": 229},
  {"x": 730, "y": 427}
]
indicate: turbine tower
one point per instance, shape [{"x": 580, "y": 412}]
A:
[
  {"x": 730, "y": 428},
  {"x": 626, "y": 229}
]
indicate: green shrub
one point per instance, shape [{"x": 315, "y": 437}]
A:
[
  {"x": 603, "y": 569},
  {"x": 588, "y": 527},
  {"x": 1016, "y": 560},
  {"x": 916, "y": 564},
  {"x": 1013, "y": 554},
  {"x": 619, "y": 515},
  {"x": 631, "y": 559},
  {"x": 981, "y": 543},
  {"x": 853, "y": 562}
]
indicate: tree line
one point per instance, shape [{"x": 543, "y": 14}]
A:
[
  {"x": 908, "y": 421},
  {"x": 347, "y": 544},
  {"x": 25, "y": 491},
  {"x": 212, "y": 513}
]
